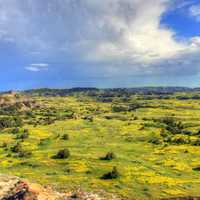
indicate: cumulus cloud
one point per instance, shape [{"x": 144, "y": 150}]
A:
[
  {"x": 118, "y": 36},
  {"x": 36, "y": 67}
]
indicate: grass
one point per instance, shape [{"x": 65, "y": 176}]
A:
[{"x": 146, "y": 170}]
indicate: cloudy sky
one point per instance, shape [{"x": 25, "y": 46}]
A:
[{"x": 101, "y": 43}]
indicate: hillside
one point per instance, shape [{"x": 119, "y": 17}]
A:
[{"x": 114, "y": 144}]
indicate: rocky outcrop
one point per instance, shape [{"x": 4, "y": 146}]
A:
[{"x": 12, "y": 188}]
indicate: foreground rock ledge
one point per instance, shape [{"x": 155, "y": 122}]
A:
[{"x": 13, "y": 188}]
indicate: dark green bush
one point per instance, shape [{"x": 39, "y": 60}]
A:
[
  {"x": 9, "y": 122},
  {"x": 62, "y": 154},
  {"x": 111, "y": 175},
  {"x": 155, "y": 139},
  {"x": 119, "y": 108},
  {"x": 180, "y": 139},
  {"x": 196, "y": 142},
  {"x": 15, "y": 130},
  {"x": 16, "y": 148},
  {"x": 65, "y": 136},
  {"x": 196, "y": 168},
  {"x": 24, "y": 153},
  {"x": 173, "y": 126},
  {"x": 23, "y": 136},
  {"x": 4, "y": 145},
  {"x": 109, "y": 156}
]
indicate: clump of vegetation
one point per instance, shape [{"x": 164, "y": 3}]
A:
[
  {"x": 16, "y": 148},
  {"x": 4, "y": 145},
  {"x": 196, "y": 168},
  {"x": 23, "y": 135},
  {"x": 119, "y": 108},
  {"x": 180, "y": 139},
  {"x": 109, "y": 156},
  {"x": 10, "y": 122},
  {"x": 114, "y": 174},
  {"x": 44, "y": 141},
  {"x": 173, "y": 126},
  {"x": 196, "y": 142},
  {"x": 155, "y": 139},
  {"x": 65, "y": 136},
  {"x": 15, "y": 131},
  {"x": 62, "y": 154},
  {"x": 24, "y": 153}
]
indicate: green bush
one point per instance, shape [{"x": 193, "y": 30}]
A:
[
  {"x": 15, "y": 130},
  {"x": 24, "y": 153},
  {"x": 180, "y": 139},
  {"x": 119, "y": 108},
  {"x": 109, "y": 156},
  {"x": 155, "y": 139},
  {"x": 196, "y": 168},
  {"x": 62, "y": 154},
  {"x": 111, "y": 175},
  {"x": 173, "y": 126},
  {"x": 16, "y": 148},
  {"x": 24, "y": 135},
  {"x": 65, "y": 136},
  {"x": 196, "y": 142}
]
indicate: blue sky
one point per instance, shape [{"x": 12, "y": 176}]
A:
[{"x": 99, "y": 43}]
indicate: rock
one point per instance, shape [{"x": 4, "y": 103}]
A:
[{"x": 13, "y": 188}]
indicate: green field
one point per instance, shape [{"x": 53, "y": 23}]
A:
[{"x": 156, "y": 143}]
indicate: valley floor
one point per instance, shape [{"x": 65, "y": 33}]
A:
[{"x": 153, "y": 162}]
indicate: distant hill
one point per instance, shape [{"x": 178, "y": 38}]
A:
[{"x": 141, "y": 90}]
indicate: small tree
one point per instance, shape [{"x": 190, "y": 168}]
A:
[
  {"x": 62, "y": 154},
  {"x": 65, "y": 136},
  {"x": 111, "y": 175},
  {"x": 109, "y": 156}
]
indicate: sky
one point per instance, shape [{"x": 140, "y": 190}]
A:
[{"x": 99, "y": 43}]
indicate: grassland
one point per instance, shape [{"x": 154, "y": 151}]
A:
[{"x": 150, "y": 166}]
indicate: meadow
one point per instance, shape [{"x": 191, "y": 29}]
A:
[{"x": 153, "y": 143}]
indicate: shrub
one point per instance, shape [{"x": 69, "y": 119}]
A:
[
  {"x": 44, "y": 141},
  {"x": 155, "y": 139},
  {"x": 196, "y": 142},
  {"x": 24, "y": 153},
  {"x": 88, "y": 118},
  {"x": 196, "y": 168},
  {"x": 186, "y": 132},
  {"x": 62, "y": 154},
  {"x": 111, "y": 175},
  {"x": 4, "y": 145},
  {"x": 172, "y": 125},
  {"x": 198, "y": 133},
  {"x": 109, "y": 156},
  {"x": 65, "y": 137},
  {"x": 119, "y": 108},
  {"x": 180, "y": 139},
  {"x": 15, "y": 130},
  {"x": 16, "y": 148},
  {"x": 24, "y": 135},
  {"x": 8, "y": 122}
]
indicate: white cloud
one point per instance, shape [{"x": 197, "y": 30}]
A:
[
  {"x": 36, "y": 67},
  {"x": 195, "y": 12},
  {"x": 126, "y": 36}
]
